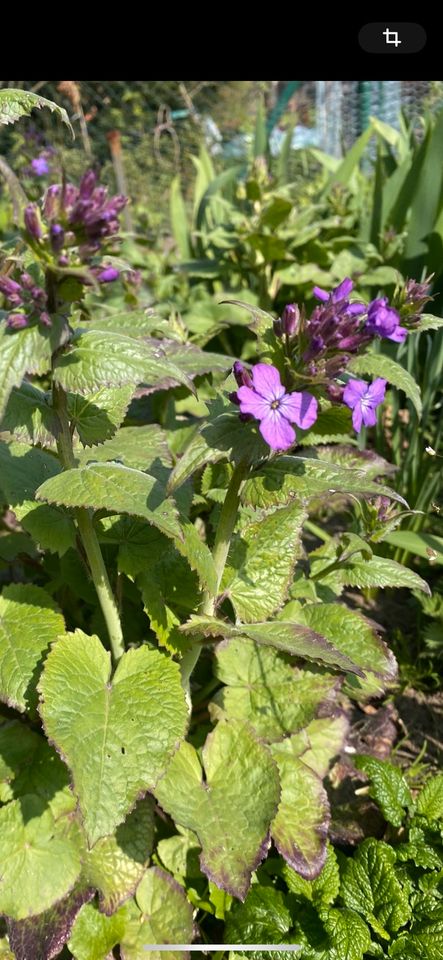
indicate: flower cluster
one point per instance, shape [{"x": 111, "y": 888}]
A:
[
  {"x": 317, "y": 350},
  {"x": 84, "y": 217},
  {"x": 26, "y": 301}
]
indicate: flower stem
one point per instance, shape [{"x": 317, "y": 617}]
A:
[
  {"x": 225, "y": 529},
  {"x": 87, "y": 532}
]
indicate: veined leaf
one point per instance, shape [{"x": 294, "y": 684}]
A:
[
  {"x": 116, "y": 864},
  {"x": 116, "y": 737},
  {"x": 22, "y": 351},
  {"x": 20, "y": 103},
  {"x": 100, "y": 359},
  {"x": 98, "y": 415},
  {"x": 261, "y": 563},
  {"x": 265, "y": 691},
  {"x": 388, "y": 788},
  {"x": 43, "y": 935},
  {"x": 248, "y": 797},
  {"x": 40, "y": 855},
  {"x": 29, "y": 623},
  {"x": 280, "y": 480},
  {"x": 160, "y": 913},
  {"x": 117, "y": 489},
  {"x": 293, "y": 638},
  {"x": 371, "y": 888}
]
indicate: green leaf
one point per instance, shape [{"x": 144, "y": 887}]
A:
[
  {"x": 97, "y": 416},
  {"x": 20, "y": 103},
  {"x": 349, "y": 934},
  {"x": 138, "y": 324},
  {"x": 370, "y": 886},
  {"x": 29, "y": 623},
  {"x": 137, "y": 447},
  {"x": 117, "y": 489},
  {"x": 28, "y": 764},
  {"x": 116, "y": 737},
  {"x": 225, "y": 437},
  {"x": 318, "y": 743},
  {"x": 427, "y": 322},
  {"x": 376, "y": 364},
  {"x": 94, "y": 935},
  {"x": 23, "y": 469},
  {"x": 424, "y": 941},
  {"x": 388, "y": 788},
  {"x": 179, "y": 854},
  {"x": 102, "y": 359},
  {"x": 161, "y": 914},
  {"x": 261, "y": 563},
  {"x": 42, "y": 937},
  {"x": 21, "y": 351},
  {"x": 248, "y": 799},
  {"x": 263, "y": 918},
  {"x": 264, "y": 690},
  {"x": 293, "y": 638},
  {"x": 164, "y": 622},
  {"x": 28, "y": 416},
  {"x": 355, "y": 636},
  {"x": 330, "y": 424},
  {"x": 282, "y": 479},
  {"x": 419, "y": 544},
  {"x": 378, "y": 572},
  {"x": 430, "y": 799},
  {"x": 116, "y": 864},
  {"x": 40, "y": 857},
  {"x": 300, "y": 827},
  {"x": 179, "y": 220}
]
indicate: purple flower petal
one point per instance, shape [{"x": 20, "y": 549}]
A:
[
  {"x": 343, "y": 290},
  {"x": 368, "y": 414},
  {"x": 376, "y": 391},
  {"x": 251, "y": 402},
  {"x": 267, "y": 383},
  {"x": 301, "y": 408},
  {"x": 355, "y": 309},
  {"x": 354, "y": 391},
  {"x": 277, "y": 431},
  {"x": 357, "y": 418},
  {"x": 399, "y": 335},
  {"x": 320, "y": 294}
]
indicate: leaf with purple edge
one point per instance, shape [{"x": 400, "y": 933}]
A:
[
  {"x": 209, "y": 805},
  {"x": 43, "y": 936},
  {"x": 292, "y": 638}
]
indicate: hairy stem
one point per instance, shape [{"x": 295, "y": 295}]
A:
[
  {"x": 87, "y": 532},
  {"x": 225, "y": 529}
]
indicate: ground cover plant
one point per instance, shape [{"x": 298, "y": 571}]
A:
[{"x": 187, "y": 538}]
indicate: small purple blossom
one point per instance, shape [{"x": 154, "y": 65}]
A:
[
  {"x": 108, "y": 275},
  {"x": 337, "y": 294},
  {"x": 363, "y": 399},
  {"x": 40, "y": 166},
  {"x": 242, "y": 375},
  {"x": 384, "y": 321},
  {"x": 267, "y": 401},
  {"x": 16, "y": 321}
]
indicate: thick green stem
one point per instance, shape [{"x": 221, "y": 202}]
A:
[
  {"x": 225, "y": 529},
  {"x": 87, "y": 532}
]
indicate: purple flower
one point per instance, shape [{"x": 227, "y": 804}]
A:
[
  {"x": 363, "y": 399},
  {"x": 268, "y": 402},
  {"x": 338, "y": 293},
  {"x": 57, "y": 235},
  {"x": 40, "y": 166},
  {"x": 242, "y": 375},
  {"x": 384, "y": 321},
  {"x": 108, "y": 275}
]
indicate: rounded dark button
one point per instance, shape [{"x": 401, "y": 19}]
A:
[{"x": 392, "y": 37}]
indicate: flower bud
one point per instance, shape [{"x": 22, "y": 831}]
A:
[
  {"x": 9, "y": 287},
  {"x": 88, "y": 183},
  {"x": 32, "y": 221},
  {"x": 51, "y": 202},
  {"x": 290, "y": 319},
  {"x": 108, "y": 275},
  {"x": 241, "y": 375},
  {"x": 57, "y": 235},
  {"x": 16, "y": 321}
]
